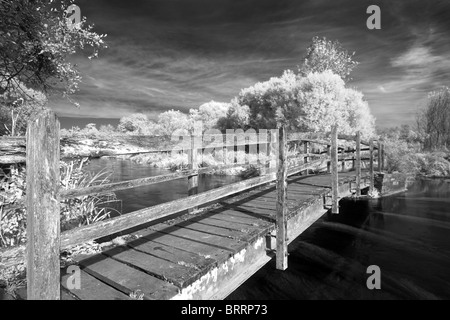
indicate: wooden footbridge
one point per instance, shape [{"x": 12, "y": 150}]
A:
[{"x": 176, "y": 250}]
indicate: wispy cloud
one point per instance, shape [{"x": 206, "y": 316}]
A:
[{"x": 182, "y": 53}]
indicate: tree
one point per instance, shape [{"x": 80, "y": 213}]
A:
[
  {"x": 17, "y": 106},
  {"x": 357, "y": 114},
  {"x": 433, "y": 122},
  {"x": 133, "y": 124},
  {"x": 324, "y": 55},
  {"x": 272, "y": 102},
  {"x": 107, "y": 129},
  {"x": 35, "y": 42},
  {"x": 209, "y": 113},
  {"x": 325, "y": 101},
  {"x": 237, "y": 117},
  {"x": 172, "y": 121}
]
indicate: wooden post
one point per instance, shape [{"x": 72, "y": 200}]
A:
[
  {"x": 281, "y": 207},
  {"x": 268, "y": 152},
  {"x": 43, "y": 208},
  {"x": 358, "y": 164},
  {"x": 307, "y": 151},
  {"x": 193, "y": 165},
  {"x": 329, "y": 162},
  {"x": 343, "y": 159},
  {"x": 273, "y": 146},
  {"x": 334, "y": 171},
  {"x": 379, "y": 156},
  {"x": 353, "y": 160},
  {"x": 371, "y": 168},
  {"x": 383, "y": 156}
]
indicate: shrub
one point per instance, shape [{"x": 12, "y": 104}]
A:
[{"x": 74, "y": 212}]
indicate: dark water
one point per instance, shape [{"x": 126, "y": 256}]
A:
[
  {"x": 407, "y": 235},
  {"x": 143, "y": 197}
]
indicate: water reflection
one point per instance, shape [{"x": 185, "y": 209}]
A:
[{"x": 406, "y": 235}]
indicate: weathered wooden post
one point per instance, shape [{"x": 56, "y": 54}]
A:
[
  {"x": 334, "y": 170},
  {"x": 371, "y": 167},
  {"x": 353, "y": 160},
  {"x": 329, "y": 162},
  {"x": 343, "y": 159},
  {"x": 281, "y": 207},
  {"x": 193, "y": 165},
  {"x": 383, "y": 156},
  {"x": 273, "y": 145},
  {"x": 43, "y": 208},
  {"x": 307, "y": 151},
  {"x": 379, "y": 156},
  {"x": 358, "y": 164}
]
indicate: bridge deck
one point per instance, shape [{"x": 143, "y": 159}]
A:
[{"x": 204, "y": 256}]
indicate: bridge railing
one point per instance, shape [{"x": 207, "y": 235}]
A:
[{"x": 43, "y": 196}]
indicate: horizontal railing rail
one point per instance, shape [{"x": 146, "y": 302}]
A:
[{"x": 44, "y": 191}]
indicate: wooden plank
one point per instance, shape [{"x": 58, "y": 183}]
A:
[
  {"x": 379, "y": 156},
  {"x": 309, "y": 165},
  {"x": 193, "y": 179},
  {"x": 176, "y": 274},
  {"x": 219, "y": 231},
  {"x": 352, "y": 138},
  {"x": 241, "y": 218},
  {"x": 117, "y": 224},
  {"x": 124, "y": 185},
  {"x": 343, "y": 160},
  {"x": 242, "y": 212},
  {"x": 12, "y": 150},
  {"x": 371, "y": 168},
  {"x": 12, "y": 159},
  {"x": 93, "y": 289},
  {"x": 170, "y": 253},
  {"x": 43, "y": 208},
  {"x": 273, "y": 150},
  {"x": 306, "y": 151},
  {"x": 190, "y": 245},
  {"x": 334, "y": 171},
  {"x": 329, "y": 162},
  {"x": 127, "y": 279},
  {"x": 257, "y": 211},
  {"x": 358, "y": 164},
  {"x": 383, "y": 156},
  {"x": 228, "y": 224},
  {"x": 220, "y": 242},
  {"x": 265, "y": 203},
  {"x": 281, "y": 206}
]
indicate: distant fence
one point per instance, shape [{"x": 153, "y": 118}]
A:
[{"x": 43, "y": 195}]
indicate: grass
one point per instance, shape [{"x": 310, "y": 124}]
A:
[
  {"x": 252, "y": 163},
  {"x": 74, "y": 213}
]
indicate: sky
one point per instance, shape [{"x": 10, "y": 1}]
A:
[{"x": 179, "y": 54}]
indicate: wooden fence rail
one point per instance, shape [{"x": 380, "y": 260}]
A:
[{"x": 44, "y": 195}]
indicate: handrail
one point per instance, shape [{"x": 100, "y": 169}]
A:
[
  {"x": 130, "y": 184},
  {"x": 43, "y": 193},
  {"x": 114, "y": 225}
]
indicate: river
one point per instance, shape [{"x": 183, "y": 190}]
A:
[
  {"x": 147, "y": 196},
  {"x": 406, "y": 235}
]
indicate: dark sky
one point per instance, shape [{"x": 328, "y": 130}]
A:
[{"x": 179, "y": 54}]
